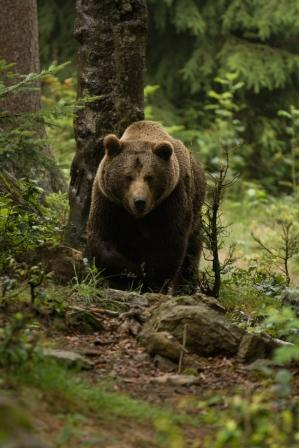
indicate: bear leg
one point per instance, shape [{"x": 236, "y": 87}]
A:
[{"x": 187, "y": 278}]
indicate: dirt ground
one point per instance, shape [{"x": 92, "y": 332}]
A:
[
  {"x": 119, "y": 360},
  {"x": 117, "y": 355}
]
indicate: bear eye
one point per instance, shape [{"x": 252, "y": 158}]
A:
[
  {"x": 148, "y": 178},
  {"x": 129, "y": 178}
]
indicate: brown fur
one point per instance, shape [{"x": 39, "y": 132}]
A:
[{"x": 144, "y": 221}]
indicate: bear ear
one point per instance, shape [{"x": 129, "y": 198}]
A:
[
  {"x": 163, "y": 150},
  {"x": 112, "y": 145}
]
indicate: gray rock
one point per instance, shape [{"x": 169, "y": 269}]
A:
[
  {"x": 83, "y": 321},
  {"x": 258, "y": 346},
  {"x": 163, "y": 343},
  {"x": 253, "y": 346},
  {"x": 68, "y": 358},
  {"x": 176, "y": 380},
  {"x": 208, "y": 331},
  {"x": 165, "y": 364}
]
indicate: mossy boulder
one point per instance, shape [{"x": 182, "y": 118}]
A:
[{"x": 208, "y": 331}]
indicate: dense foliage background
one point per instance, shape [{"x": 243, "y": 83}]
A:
[{"x": 192, "y": 45}]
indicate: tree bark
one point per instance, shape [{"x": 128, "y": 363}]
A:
[
  {"x": 112, "y": 35},
  {"x": 19, "y": 45}
]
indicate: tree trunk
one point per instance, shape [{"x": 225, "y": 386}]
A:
[
  {"x": 19, "y": 45},
  {"x": 112, "y": 35}
]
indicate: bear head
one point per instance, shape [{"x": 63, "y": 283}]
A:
[{"x": 138, "y": 175}]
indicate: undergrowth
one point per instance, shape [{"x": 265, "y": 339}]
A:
[
  {"x": 74, "y": 393},
  {"x": 66, "y": 393}
]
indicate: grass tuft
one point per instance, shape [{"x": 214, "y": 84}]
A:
[{"x": 75, "y": 394}]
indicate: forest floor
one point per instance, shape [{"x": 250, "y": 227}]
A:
[{"x": 126, "y": 398}]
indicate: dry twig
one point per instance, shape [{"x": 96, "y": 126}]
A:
[{"x": 183, "y": 350}]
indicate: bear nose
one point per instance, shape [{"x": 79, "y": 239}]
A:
[{"x": 139, "y": 204}]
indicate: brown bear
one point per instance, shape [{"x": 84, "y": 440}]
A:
[{"x": 144, "y": 221}]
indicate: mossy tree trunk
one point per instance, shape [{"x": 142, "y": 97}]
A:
[
  {"x": 112, "y": 37},
  {"x": 19, "y": 45}
]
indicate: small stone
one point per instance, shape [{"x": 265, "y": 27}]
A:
[
  {"x": 254, "y": 346},
  {"x": 135, "y": 327},
  {"x": 176, "y": 380},
  {"x": 68, "y": 358},
  {"x": 83, "y": 321},
  {"x": 165, "y": 364},
  {"x": 164, "y": 344}
]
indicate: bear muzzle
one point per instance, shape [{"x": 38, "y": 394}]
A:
[
  {"x": 139, "y": 198},
  {"x": 140, "y": 206}
]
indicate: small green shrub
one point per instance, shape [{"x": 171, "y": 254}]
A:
[
  {"x": 283, "y": 323},
  {"x": 24, "y": 149},
  {"x": 17, "y": 343},
  {"x": 26, "y": 222},
  {"x": 247, "y": 292},
  {"x": 281, "y": 243},
  {"x": 260, "y": 420}
]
